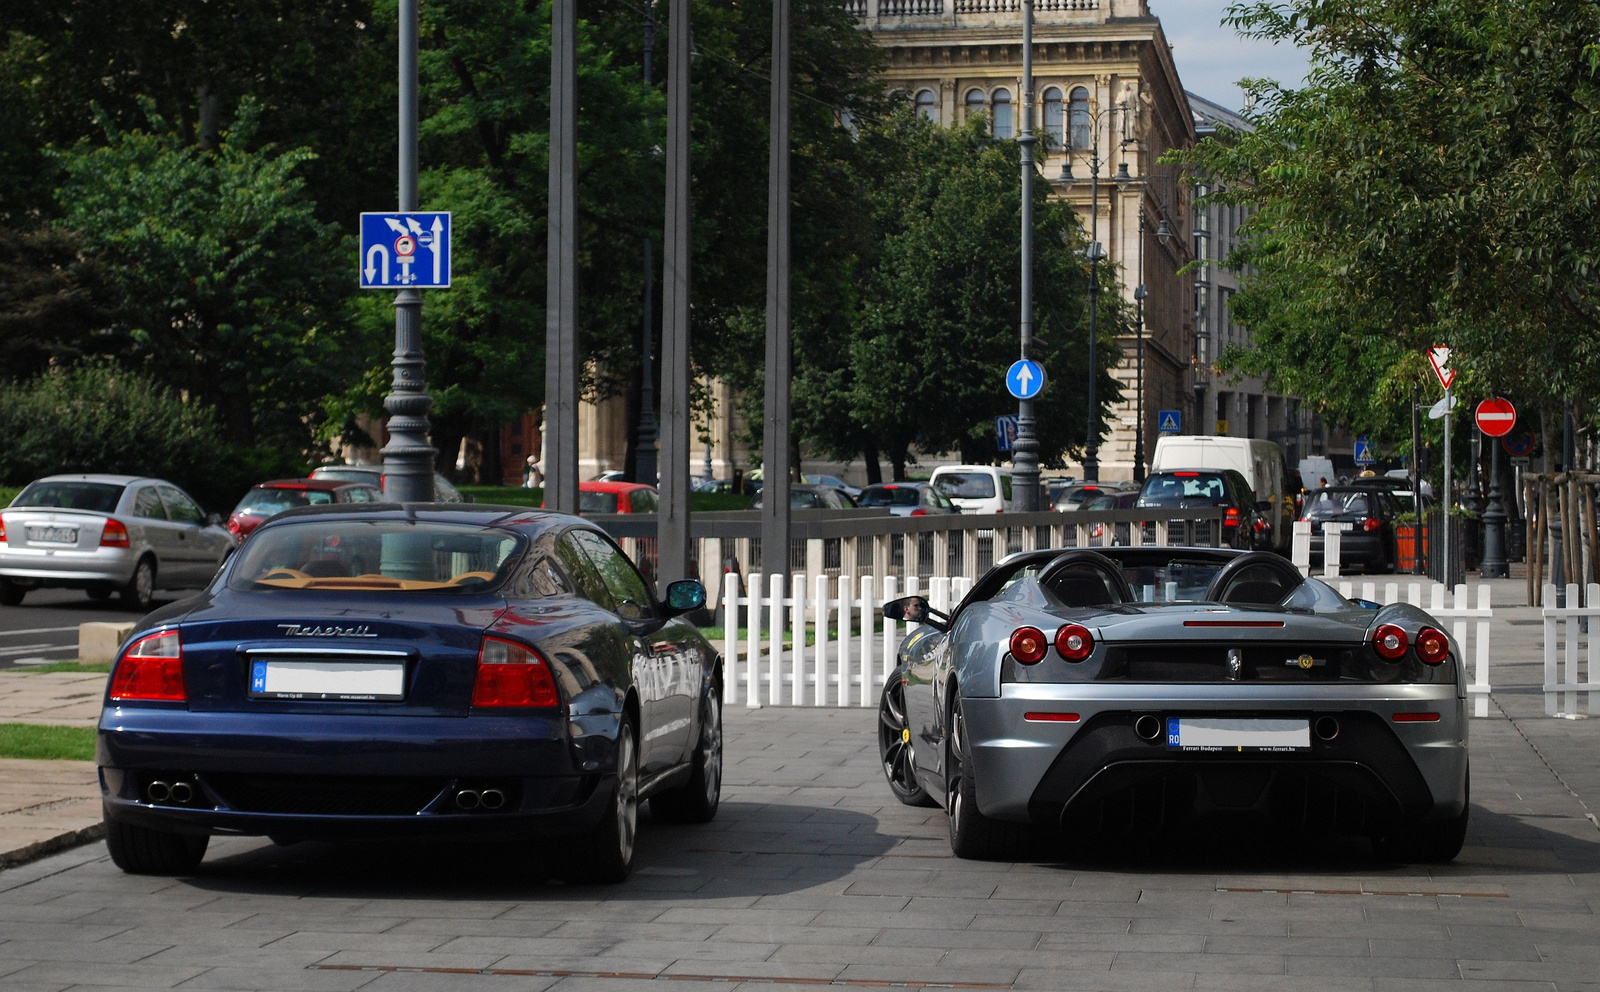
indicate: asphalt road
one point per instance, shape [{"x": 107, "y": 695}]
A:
[{"x": 45, "y": 627}]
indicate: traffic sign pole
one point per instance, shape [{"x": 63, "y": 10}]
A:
[
  {"x": 1444, "y": 546},
  {"x": 1025, "y": 450}
]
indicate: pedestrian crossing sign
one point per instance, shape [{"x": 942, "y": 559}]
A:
[
  {"x": 1364, "y": 453},
  {"x": 1169, "y": 421}
]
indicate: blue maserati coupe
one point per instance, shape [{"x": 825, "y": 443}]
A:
[{"x": 416, "y": 669}]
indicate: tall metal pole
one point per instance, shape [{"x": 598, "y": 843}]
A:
[
  {"x": 1091, "y": 444},
  {"x": 1416, "y": 475},
  {"x": 673, "y": 515},
  {"x": 408, "y": 457},
  {"x": 1494, "y": 519},
  {"x": 644, "y": 452},
  {"x": 1139, "y": 293},
  {"x": 1448, "y": 528},
  {"x": 561, "y": 294},
  {"x": 1025, "y": 452},
  {"x": 775, "y": 428}
]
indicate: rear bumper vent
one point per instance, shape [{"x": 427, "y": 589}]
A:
[{"x": 310, "y": 795}]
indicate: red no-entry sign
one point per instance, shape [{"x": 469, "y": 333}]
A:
[{"x": 1496, "y": 416}]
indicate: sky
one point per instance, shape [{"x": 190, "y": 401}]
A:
[{"x": 1211, "y": 58}]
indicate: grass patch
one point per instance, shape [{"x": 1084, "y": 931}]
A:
[
  {"x": 28, "y": 740},
  {"x": 61, "y": 666},
  {"x": 518, "y": 496}
]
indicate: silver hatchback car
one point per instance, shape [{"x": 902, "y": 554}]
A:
[{"x": 107, "y": 534}]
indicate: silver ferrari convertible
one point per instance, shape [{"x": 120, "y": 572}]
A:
[{"x": 1119, "y": 691}]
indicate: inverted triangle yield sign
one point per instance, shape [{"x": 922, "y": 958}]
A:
[{"x": 1439, "y": 358}]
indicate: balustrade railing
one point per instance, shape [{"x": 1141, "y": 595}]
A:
[{"x": 924, "y": 8}]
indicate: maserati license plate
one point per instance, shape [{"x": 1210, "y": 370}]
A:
[
  {"x": 328, "y": 681},
  {"x": 52, "y": 535},
  {"x": 1222, "y": 734}
]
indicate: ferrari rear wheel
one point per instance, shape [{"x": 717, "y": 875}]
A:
[
  {"x": 973, "y": 835},
  {"x": 894, "y": 745},
  {"x": 606, "y": 852},
  {"x": 142, "y": 851},
  {"x": 696, "y": 800}
]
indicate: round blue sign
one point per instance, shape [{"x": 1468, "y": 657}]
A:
[{"x": 1025, "y": 378}]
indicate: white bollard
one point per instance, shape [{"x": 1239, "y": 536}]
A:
[
  {"x": 752, "y": 661},
  {"x": 775, "y": 584},
  {"x": 847, "y": 586},
  {"x": 1331, "y": 552},
  {"x": 1300, "y": 548},
  {"x": 820, "y": 696}
]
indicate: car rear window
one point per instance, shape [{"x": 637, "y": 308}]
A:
[
  {"x": 890, "y": 496},
  {"x": 273, "y": 501},
  {"x": 597, "y": 502},
  {"x": 98, "y": 497},
  {"x": 966, "y": 485},
  {"x": 338, "y": 555},
  {"x": 1193, "y": 488},
  {"x": 1327, "y": 505}
]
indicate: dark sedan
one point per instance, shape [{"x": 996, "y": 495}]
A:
[
  {"x": 1367, "y": 514},
  {"x": 1242, "y": 527},
  {"x": 377, "y": 670}
]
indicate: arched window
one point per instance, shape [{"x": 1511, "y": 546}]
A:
[
  {"x": 975, "y": 103},
  {"x": 1052, "y": 117},
  {"x": 927, "y": 105},
  {"x": 1081, "y": 138},
  {"x": 1000, "y": 121}
]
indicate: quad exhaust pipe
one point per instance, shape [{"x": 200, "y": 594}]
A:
[
  {"x": 484, "y": 799},
  {"x": 181, "y": 791},
  {"x": 491, "y": 799},
  {"x": 468, "y": 799},
  {"x": 158, "y": 791}
]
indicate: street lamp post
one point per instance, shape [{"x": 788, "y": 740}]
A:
[
  {"x": 1025, "y": 451},
  {"x": 1162, "y": 232},
  {"x": 644, "y": 456}
]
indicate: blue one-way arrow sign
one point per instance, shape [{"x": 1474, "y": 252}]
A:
[
  {"x": 1169, "y": 421},
  {"x": 1364, "y": 453},
  {"x": 400, "y": 251},
  {"x": 1025, "y": 378}
]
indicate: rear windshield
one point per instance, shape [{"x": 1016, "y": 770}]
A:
[
  {"x": 337, "y": 555},
  {"x": 351, "y": 473},
  {"x": 966, "y": 485},
  {"x": 1326, "y": 505},
  {"x": 597, "y": 502},
  {"x": 890, "y": 496},
  {"x": 271, "y": 502},
  {"x": 1192, "y": 488},
  {"x": 100, "y": 497}
]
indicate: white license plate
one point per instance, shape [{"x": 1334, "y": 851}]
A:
[
  {"x": 53, "y": 535},
  {"x": 1193, "y": 733},
  {"x": 327, "y": 680}
]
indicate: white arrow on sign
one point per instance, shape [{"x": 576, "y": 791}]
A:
[
  {"x": 1024, "y": 379},
  {"x": 371, "y": 269},
  {"x": 1439, "y": 356},
  {"x": 438, "y": 231}
]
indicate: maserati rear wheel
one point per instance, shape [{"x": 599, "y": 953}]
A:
[
  {"x": 972, "y": 834},
  {"x": 894, "y": 745},
  {"x": 607, "y": 851},
  {"x": 696, "y": 800}
]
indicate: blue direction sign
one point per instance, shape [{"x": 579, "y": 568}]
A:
[
  {"x": 1025, "y": 378},
  {"x": 409, "y": 250},
  {"x": 1169, "y": 421},
  {"x": 1364, "y": 453},
  {"x": 1005, "y": 431}
]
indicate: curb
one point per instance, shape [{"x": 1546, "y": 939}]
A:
[{"x": 52, "y": 845}]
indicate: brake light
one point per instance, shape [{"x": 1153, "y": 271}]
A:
[
  {"x": 1370, "y": 524},
  {"x": 1432, "y": 646},
  {"x": 1028, "y": 645},
  {"x": 2, "y": 530},
  {"x": 512, "y": 675},
  {"x": 1390, "y": 642},
  {"x": 919, "y": 512},
  {"x": 233, "y": 526},
  {"x": 1074, "y": 642},
  {"x": 115, "y": 535},
  {"x": 1233, "y": 517},
  {"x": 1187, "y": 475},
  {"x": 151, "y": 670}
]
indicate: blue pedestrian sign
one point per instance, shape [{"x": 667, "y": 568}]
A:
[
  {"x": 1025, "y": 378},
  {"x": 1169, "y": 421},
  {"x": 405, "y": 251},
  {"x": 1364, "y": 453},
  {"x": 1005, "y": 431}
]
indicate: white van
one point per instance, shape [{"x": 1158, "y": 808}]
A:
[
  {"x": 975, "y": 488},
  {"x": 1259, "y": 461}
]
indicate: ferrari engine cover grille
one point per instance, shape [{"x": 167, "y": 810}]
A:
[{"x": 1262, "y": 662}]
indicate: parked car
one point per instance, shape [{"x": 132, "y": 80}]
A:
[
  {"x": 1072, "y": 496},
  {"x": 617, "y": 497},
  {"x": 907, "y": 499},
  {"x": 1056, "y": 699},
  {"x": 805, "y": 497},
  {"x": 372, "y": 475},
  {"x": 363, "y": 671},
  {"x": 1368, "y": 513},
  {"x": 107, "y": 534},
  {"x": 265, "y": 501},
  {"x": 1121, "y": 533},
  {"x": 1242, "y": 527},
  {"x": 1053, "y": 488},
  {"x": 1259, "y": 461},
  {"x": 832, "y": 480},
  {"x": 975, "y": 488}
]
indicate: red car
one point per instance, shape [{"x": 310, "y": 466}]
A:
[
  {"x": 617, "y": 497},
  {"x": 269, "y": 499}
]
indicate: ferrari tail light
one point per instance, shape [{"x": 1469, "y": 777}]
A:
[
  {"x": 1432, "y": 646},
  {"x": 115, "y": 535},
  {"x": 1390, "y": 642},
  {"x": 151, "y": 670},
  {"x": 1074, "y": 642},
  {"x": 1370, "y": 524},
  {"x": 512, "y": 675},
  {"x": 1028, "y": 645}
]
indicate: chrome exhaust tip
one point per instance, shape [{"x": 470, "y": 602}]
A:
[
  {"x": 467, "y": 799},
  {"x": 1147, "y": 727},
  {"x": 1327, "y": 728},
  {"x": 492, "y": 798},
  {"x": 158, "y": 792},
  {"x": 181, "y": 792}
]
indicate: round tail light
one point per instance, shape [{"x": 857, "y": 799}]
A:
[
  {"x": 1371, "y": 524},
  {"x": 1390, "y": 642},
  {"x": 1432, "y": 646},
  {"x": 1074, "y": 642},
  {"x": 1028, "y": 645}
]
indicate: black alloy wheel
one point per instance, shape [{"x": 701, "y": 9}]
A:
[
  {"x": 141, "y": 588},
  {"x": 696, "y": 800},
  {"x": 972, "y": 834},
  {"x": 894, "y": 745},
  {"x": 606, "y": 852},
  {"x": 142, "y": 851}
]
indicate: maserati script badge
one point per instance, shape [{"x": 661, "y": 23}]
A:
[{"x": 324, "y": 630}]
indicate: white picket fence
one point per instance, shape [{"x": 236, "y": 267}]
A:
[
  {"x": 1460, "y": 610},
  {"x": 1562, "y": 626},
  {"x": 854, "y": 645}
]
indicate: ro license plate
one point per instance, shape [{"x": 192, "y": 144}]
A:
[
  {"x": 1239, "y": 735},
  {"x": 53, "y": 535},
  {"x": 354, "y": 681}
]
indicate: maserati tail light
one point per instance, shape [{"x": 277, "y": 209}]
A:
[
  {"x": 151, "y": 670},
  {"x": 1074, "y": 642},
  {"x": 1028, "y": 645},
  {"x": 1390, "y": 642},
  {"x": 1432, "y": 646},
  {"x": 115, "y": 535},
  {"x": 512, "y": 675}
]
